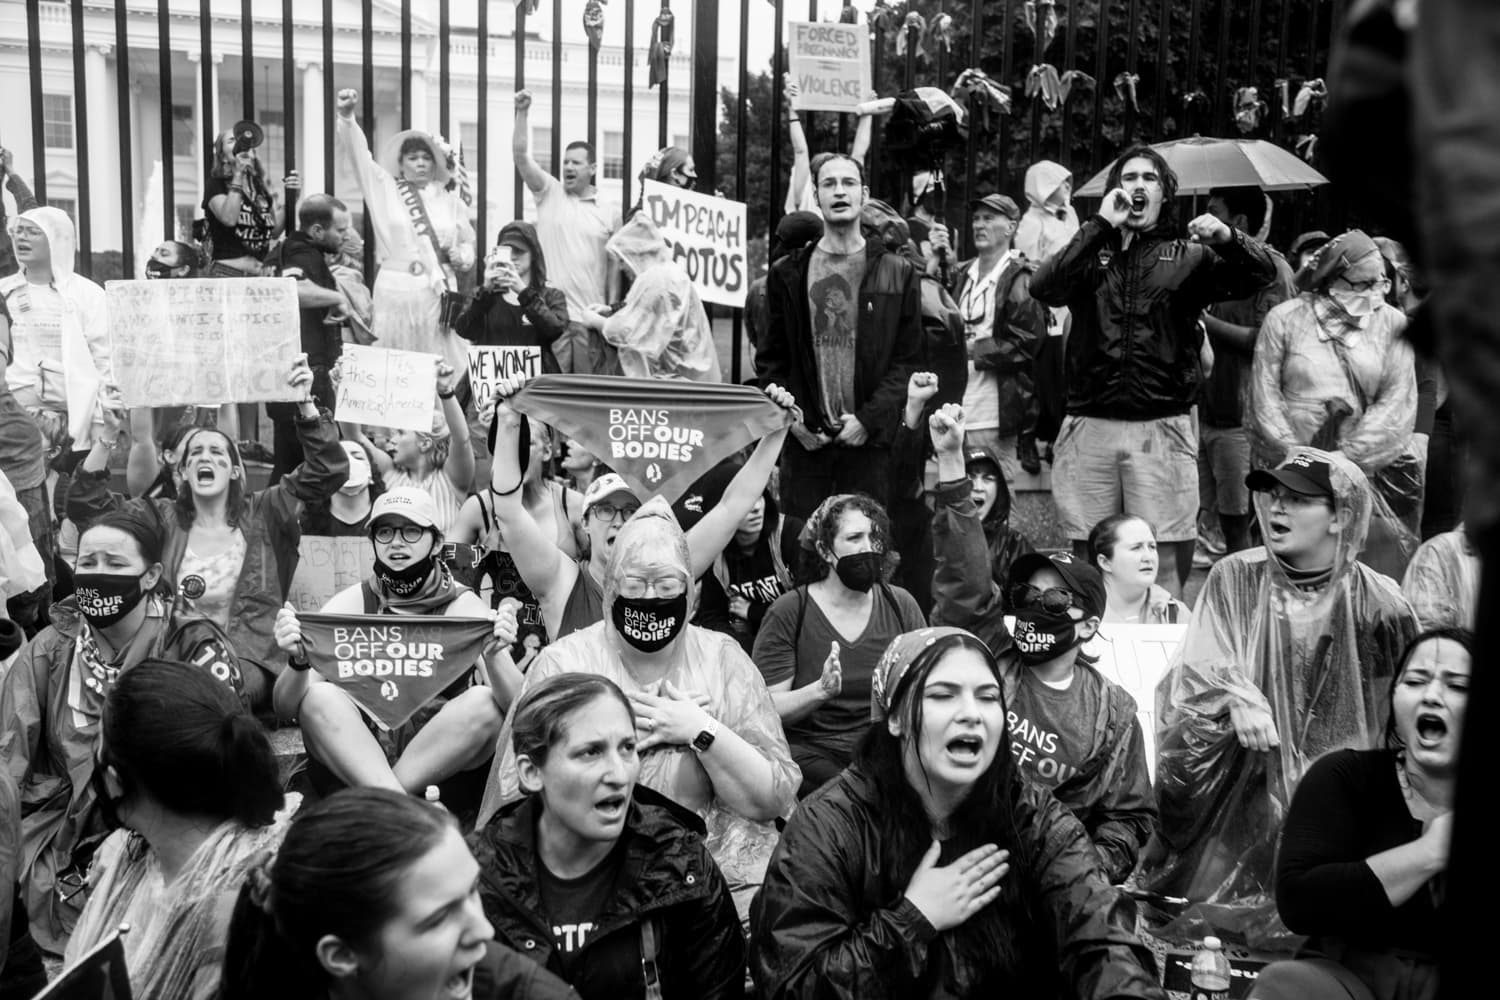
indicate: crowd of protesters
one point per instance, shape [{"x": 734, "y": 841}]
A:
[{"x": 863, "y": 745}]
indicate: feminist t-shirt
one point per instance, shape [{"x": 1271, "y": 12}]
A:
[
  {"x": 573, "y": 907},
  {"x": 833, "y": 281},
  {"x": 1052, "y": 731}
]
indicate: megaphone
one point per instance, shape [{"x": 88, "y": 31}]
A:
[{"x": 247, "y": 135}]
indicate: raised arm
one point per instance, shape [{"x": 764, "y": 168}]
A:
[
  {"x": 370, "y": 175},
  {"x": 801, "y": 156},
  {"x": 520, "y": 146},
  {"x": 459, "y": 467},
  {"x": 324, "y": 466},
  {"x": 144, "y": 463}
]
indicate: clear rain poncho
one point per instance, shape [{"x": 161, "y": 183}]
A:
[
  {"x": 1442, "y": 581},
  {"x": 1320, "y": 660},
  {"x": 662, "y": 329}
]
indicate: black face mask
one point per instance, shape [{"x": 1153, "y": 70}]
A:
[
  {"x": 1041, "y": 636},
  {"x": 405, "y": 582},
  {"x": 649, "y": 623},
  {"x": 105, "y": 598},
  {"x": 109, "y": 807},
  {"x": 860, "y": 570}
]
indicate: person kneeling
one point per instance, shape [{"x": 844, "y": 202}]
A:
[
  {"x": 617, "y": 877},
  {"x": 453, "y": 735}
]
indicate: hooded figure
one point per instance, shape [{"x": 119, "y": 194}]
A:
[
  {"x": 1005, "y": 544},
  {"x": 72, "y": 380},
  {"x": 662, "y": 329},
  {"x": 1047, "y": 226},
  {"x": 1442, "y": 581},
  {"x": 694, "y": 662},
  {"x": 534, "y": 316},
  {"x": 1316, "y": 650}
]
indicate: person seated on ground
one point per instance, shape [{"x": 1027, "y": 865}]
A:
[
  {"x": 1123, "y": 547},
  {"x": 616, "y": 875},
  {"x": 1364, "y": 849},
  {"x": 1289, "y": 656},
  {"x": 819, "y": 644},
  {"x": 439, "y": 462},
  {"x": 10, "y": 856},
  {"x": 929, "y": 868},
  {"x": 1442, "y": 581},
  {"x": 557, "y": 512},
  {"x": 712, "y": 741},
  {"x": 754, "y": 569},
  {"x": 372, "y": 895},
  {"x": 190, "y": 782},
  {"x": 1073, "y": 731},
  {"x": 121, "y": 614},
  {"x": 230, "y": 553},
  {"x": 173, "y": 259},
  {"x": 570, "y": 590},
  {"x": 453, "y": 734},
  {"x": 991, "y": 496},
  {"x": 347, "y": 512}
]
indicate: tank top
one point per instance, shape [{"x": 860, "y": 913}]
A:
[
  {"x": 495, "y": 574},
  {"x": 585, "y": 605}
]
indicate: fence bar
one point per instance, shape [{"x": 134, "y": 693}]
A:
[
  {"x": 778, "y": 122},
  {"x": 168, "y": 140},
  {"x": 593, "y": 95},
  {"x": 517, "y": 184},
  {"x": 247, "y": 59},
  {"x": 289, "y": 107},
  {"x": 808, "y": 118},
  {"x": 445, "y": 80},
  {"x": 83, "y": 222},
  {"x": 1221, "y": 123},
  {"x": 127, "y": 143},
  {"x": 1132, "y": 49},
  {"x": 741, "y": 150},
  {"x": 405, "y": 64},
  {"x": 872, "y": 161},
  {"x": 38, "y": 126},
  {"x": 627, "y": 138},
  {"x": 367, "y": 116},
  {"x": 1007, "y": 71},
  {"x": 1252, "y": 77},
  {"x": 557, "y": 58},
  {"x": 481, "y": 190},
  {"x": 971, "y": 153},
  {"x": 329, "y": 90},
  {"x": 705, "y": 93},
  {"x": 206, "y": 85},
  {"x": 662, "y": 93},
  {"x": 1163, "y": 62},
  {"x": 1311, "y": 35},
  {"x": 1101, "y": 77},
  {"x": 1190, "y": 74},
  {"x": 1070, "y": 53}
]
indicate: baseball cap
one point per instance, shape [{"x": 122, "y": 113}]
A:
[
  {"x": 407, "y": 503},
  {"x": 997, "y": 203},
  {"x": 1082, "y": 579},
  {"x": 1303, "y": 474},
  {"x": 1310, "y": 240},
  {"x": 980, "y": 455},
  {"x": 603, "y": 488}
]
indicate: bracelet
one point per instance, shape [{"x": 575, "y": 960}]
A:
[
  {"x": 446, "y": 395},
  {"x": 511, "y": 491},
  {"x": 794, "y": 120}
]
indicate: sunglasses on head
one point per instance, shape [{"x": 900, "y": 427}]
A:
[{"x": 1053, "y": 600}]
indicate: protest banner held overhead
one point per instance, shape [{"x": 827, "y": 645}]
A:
[
  {"x": 831, "y": 64},
  {"x": 203, "y": 341},
  {"x": 386, "y": 388},
  {"x": 708, "y": 238},
  {"x": 489, "y": 366},
  {"x": 659, "y": 434},
  {"x": 392, "y": 666}
]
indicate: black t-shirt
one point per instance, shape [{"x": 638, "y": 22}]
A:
[
  {"x": 250, "y": 236},
  {"x": 1052, "y": 732},
  {"x": 320, "y": 341},
  {"x": 573, "y": 905}
]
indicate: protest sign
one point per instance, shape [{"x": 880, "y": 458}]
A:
[
  {"x": 659, "y": 434},
  {"x": 707, "y": 236},
  {"x": 327, "y": 565},
  {"x": 489, "y": 365},
  {"x": 1136, "y": 657},
  {"x": 392, "y": 666},
  {"x": 831, "y": 64},
  {"x": 386, "y": 388},
  {"x": 203, "y": 341},
  {"x": 99, "y": 975}
]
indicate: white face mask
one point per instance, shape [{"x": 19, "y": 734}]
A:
[{"x": 1359, "y": 305}]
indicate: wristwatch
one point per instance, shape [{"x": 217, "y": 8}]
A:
[{"x": 705, "y": 739}]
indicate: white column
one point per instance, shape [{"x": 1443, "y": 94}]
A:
[
  {"x": 104, "y": 145},
  {"x": 314, "y": 119},
  {"x": 200, "y": 136}
]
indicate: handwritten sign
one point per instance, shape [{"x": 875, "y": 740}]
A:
[
  {"x": 831, "y": 64},
  {"x": 203, "y": 341},
  {"x": 386, "y": 388},
  {"x": 489, "y": 365},
  {"x": 327, "y": 565},
  {"x": 99, "y": 975},
  {"x": 1136, "y": 657},
  {"x": 707, "y": 236}
]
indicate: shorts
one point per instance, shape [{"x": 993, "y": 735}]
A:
[
  {"x": 1148, "y": 468},
  {"x": 1223, "y": 464}
]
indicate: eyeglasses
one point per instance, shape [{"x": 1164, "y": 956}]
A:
[
  {"x": 608, "y": 511},
  {"x": 1373, "y": 284},
  {"x": 411, "y": 534},
  {"x": 668, "y": 587},
  {"x": 1053, "y": 600},
  {"x": 1286, "y": 499}
]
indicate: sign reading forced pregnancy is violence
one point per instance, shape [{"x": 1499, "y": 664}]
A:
[
  {"x": 831, "y": 64},
  {"x": 708, "y": 239},
  {"x": 203, "y": 341}
]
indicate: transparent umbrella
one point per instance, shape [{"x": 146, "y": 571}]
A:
[{"x": 1202, "y": 164}]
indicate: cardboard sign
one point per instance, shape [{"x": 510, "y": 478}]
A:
[
  {"x": 488, "y": 365},
  {"x": 387, "y": 388},
  {"x": 661, "y": 435},
  {"x": 327, "y": 565},
  {"x": 1136, "y": 657},
  {"x": 831, "y": 64},
  {"x": 98, "y": 975},
  {"x": 203, "y": 340},
  {"x": 393, "y": 665},
  {"x": 707, "y": 236}
]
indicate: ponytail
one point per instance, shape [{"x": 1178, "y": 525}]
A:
[{"x": 180, "y": 736}]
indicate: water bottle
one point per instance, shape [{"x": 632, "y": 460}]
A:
[
  {"x": 434, "y": 798},
  {"x": 1210, "y": 975}
]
